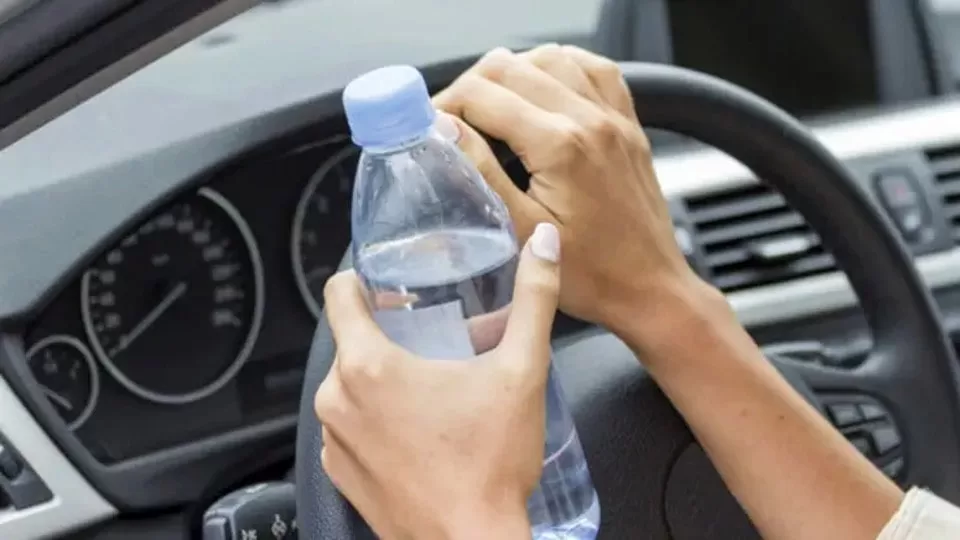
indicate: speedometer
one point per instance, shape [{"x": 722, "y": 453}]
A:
[
  {"x": 172, "y": 310},
  {"x": 321, "y": 226}
]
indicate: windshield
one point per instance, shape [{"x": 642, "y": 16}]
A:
[{"x": 291, "y": 51}]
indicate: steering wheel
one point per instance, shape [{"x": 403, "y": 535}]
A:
[{"x": 652, "y": 478}]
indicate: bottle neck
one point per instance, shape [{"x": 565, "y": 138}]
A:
[{"x": 405, "y": 144}]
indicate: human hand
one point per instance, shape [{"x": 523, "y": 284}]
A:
[
  {"x": 569, "y": 117},
  {"x": 441, "y": 449}
]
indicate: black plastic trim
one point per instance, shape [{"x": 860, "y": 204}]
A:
[
  {"x": 901, "y": 51},
  {"x": 168, "y": 478},
  {"x": 46, "y": 26},
  {"x": 25, "y": 489},
  {"x": 173, "y": 526},
  {"x": 934, "y": 47},
  {"x": 103, "y": 56},
  {"x": 182, "y": 474},
  {"x": 118, "y": 29}
]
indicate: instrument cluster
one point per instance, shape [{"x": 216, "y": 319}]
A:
[{"x": 196, "y": 319}]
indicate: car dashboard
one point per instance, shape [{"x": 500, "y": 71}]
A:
[
  {"x": 197, "y": 318},
  {"x": 157, "y": 305}
]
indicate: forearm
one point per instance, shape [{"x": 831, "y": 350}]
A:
[{"x": 796, "y": 477}]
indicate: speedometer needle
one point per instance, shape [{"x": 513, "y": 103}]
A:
[
  {"x": 56, "y": 398},
  {"x": 150, "y": 318}
]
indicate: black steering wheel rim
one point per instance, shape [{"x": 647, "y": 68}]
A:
[{"x": 912, "y": 369}]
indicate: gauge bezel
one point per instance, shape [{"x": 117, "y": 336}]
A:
[
  {"x": 256, "y": 265},
  {"x": 81, "y": 347},
  {"x": 296, "y": 235}
]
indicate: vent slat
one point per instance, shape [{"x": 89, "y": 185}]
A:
[
  {"x": 735, "y": 255},
  {"x": 951, "y": 211},
  {"x": 727, "y": 257},
  {"x": 945, "y": 164},
  {"x": 728, "y": 222},
  {"x": 755, "y": 276},
  {"x": 745, "y": 229},
  {"x": 737, "y": 208},
  {"x": 949, "y": 189}
]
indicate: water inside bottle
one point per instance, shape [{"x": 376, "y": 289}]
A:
[{"x": 444, "y": 294}]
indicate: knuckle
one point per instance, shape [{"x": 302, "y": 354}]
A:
[
  {"x": 329, "y": 403},
  {"x": 541, "y": 283},
  {"x": 570, "y": 137},
  {"x": 463, "y": 87},
  {"x": 364, "y": 368},
  {"x": 598, "y": 131},
  {"x": 451, "y": 99},
  {"x": 527, "y": 377},
  {"x": 331, "y": 465},
  {"x": 546, "y": 55},
  {"x": 325, "y": 461},
  {"x": 606, "y": 70},
  {"x": 496, "y": 64},
  {"x": 443, "y": 100},
  {"x": 641, "y": 143},
  {"x": 603, "y": 129},
  {"x": 609, "y": 70},
  {"x": 515, "y": 375},
  {"x": 335, "y": 284}
]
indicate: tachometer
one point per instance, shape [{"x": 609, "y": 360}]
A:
[
  {"x": 172, "y": 311},
  {"x": 321, "y": 226},
  {"x": 67, "y": 375}
]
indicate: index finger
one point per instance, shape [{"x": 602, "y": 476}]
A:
[
  {"x": 607, "y": 78},
  {"x": 500, "y": 113},
  {"x": 347, "y": 311}
]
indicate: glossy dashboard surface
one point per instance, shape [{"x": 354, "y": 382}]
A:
[{"x": 196, "y": 318}]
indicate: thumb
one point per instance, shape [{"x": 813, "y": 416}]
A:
[
  {"x": 351, "y": 322},
  {"x": 535, "y": 297}
]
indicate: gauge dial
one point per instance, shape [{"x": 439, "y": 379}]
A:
[
  {"x": 321, "y": 226},
  {"x": 173, "y": 310},
  {"x": 67, "y": 375}
]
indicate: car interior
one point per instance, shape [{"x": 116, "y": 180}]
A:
[{"x": 175, "y": 188}]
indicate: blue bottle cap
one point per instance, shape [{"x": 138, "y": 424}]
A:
[{"x": 388, "y": 106}]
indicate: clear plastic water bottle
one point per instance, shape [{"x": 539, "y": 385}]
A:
[{"x": 436, "y": 250}]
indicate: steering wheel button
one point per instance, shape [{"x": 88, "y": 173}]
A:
[
  {"x": 894, "y": 468},
  {"x": 885, "y": 438},
  {"x": 862, "y": 445},
  {"x": 10, "y": 465},
  {"x": 900, "y": 194},
  {"x": 844, "y": 414},
  {"x": 216, "y": 528},
  {"x": 897, "y": 189},
  {"x": 872, "y": 411},
  {"x": 260, "y": 512}
]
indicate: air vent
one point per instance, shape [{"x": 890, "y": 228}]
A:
[
  {"x": 750, "y": 237},
  {"x": 945, "y": 164}
]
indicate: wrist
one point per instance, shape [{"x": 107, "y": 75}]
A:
[{"x": 657, "y": 323}]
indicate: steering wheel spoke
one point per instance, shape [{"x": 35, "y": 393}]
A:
[{"x": 821, "y": 378}]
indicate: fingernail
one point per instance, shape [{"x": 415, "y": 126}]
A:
[
  {"x": 446, "y": 126},
  {"x": 545, "y": 242}
]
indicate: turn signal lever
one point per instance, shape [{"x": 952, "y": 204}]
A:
[{"x": 259, "y": 512}]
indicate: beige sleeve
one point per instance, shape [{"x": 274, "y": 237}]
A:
[{"x": 923, "y": 516}]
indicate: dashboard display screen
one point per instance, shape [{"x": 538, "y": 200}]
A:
[{"x": 808, "y": 57}]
